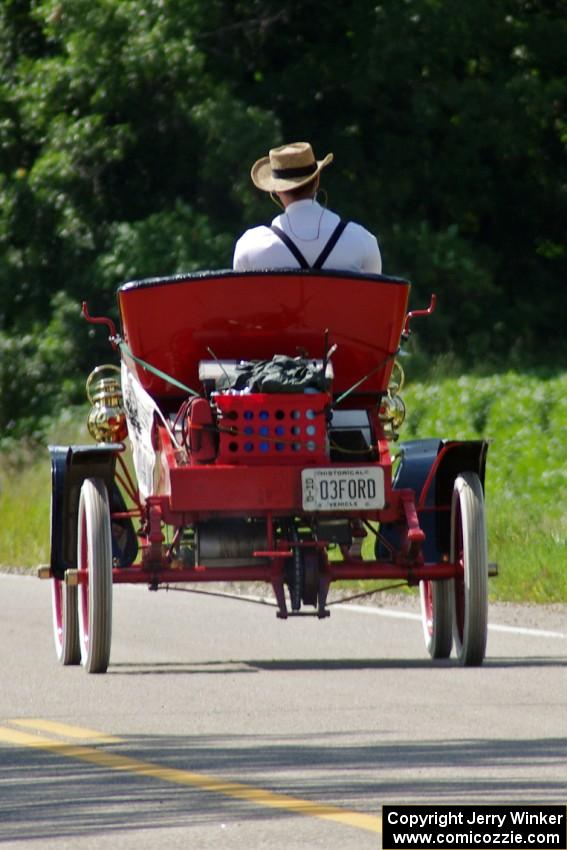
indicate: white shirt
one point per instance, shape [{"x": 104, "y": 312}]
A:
[{"x": 309, "y": 226}]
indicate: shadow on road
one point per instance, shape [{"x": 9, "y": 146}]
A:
[
  {"x": 46, "y": 796},
  {"x": 317, "y": 664}
]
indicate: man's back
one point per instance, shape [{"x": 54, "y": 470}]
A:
[{"x": 309, "y": 226}]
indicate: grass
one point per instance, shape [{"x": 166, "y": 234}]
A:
[
  {"x": 25, "y": 491},
  {"x": 25, "y": 517},
  {"x": 524, "y": 416}
]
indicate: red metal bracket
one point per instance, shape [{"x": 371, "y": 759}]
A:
[
  {"x": 414, "y": 536},
  {"x": 101, "y": 320},
  {"x": 413, "y": 313},
  {"x": 153, "y": 554}
]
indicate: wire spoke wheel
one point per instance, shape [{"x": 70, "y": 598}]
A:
[
  {"x": 469, "y": 550},
  {"x": 94, "y": 555},
  {"x": 65, "y": 622},
  {"x": 436, "y": 598}
]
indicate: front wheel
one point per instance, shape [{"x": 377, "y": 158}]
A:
[
  {"x": 94, "y": 555},
  {"x": 469, "y": 550}
]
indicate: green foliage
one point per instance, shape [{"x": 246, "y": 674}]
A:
[
  {"x": 180, "y": 240},
  {"x": 25, "y": 489},
  {"x": 113, "y": 127},
  {"x": 525, "y": 418},
  {"x": 450, "y": 269},
  {"x": 35, "y": 374},
  {"x": 127, "y": 129},
  {"x": 25, "y": 544}
]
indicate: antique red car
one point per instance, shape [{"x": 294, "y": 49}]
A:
[{"x": 250, "y": 436}]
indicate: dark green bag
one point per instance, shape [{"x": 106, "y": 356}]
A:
[{"x": 281, "y": 374}]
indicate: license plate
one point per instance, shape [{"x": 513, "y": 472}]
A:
[{"x": 353, "y": 489}]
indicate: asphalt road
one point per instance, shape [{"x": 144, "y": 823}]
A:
[{"x": 219, "y": 726}]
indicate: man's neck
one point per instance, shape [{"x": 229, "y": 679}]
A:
[{"x": 303, "y": 202}]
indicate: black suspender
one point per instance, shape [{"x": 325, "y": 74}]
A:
[
  {"x": 318, "y": 264},
  {"x": 334, "y": 238},
  {"x": 291, "y": 245}
]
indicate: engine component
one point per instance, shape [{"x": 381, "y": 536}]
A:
[
  {"x": 303, "y": 569},
  {"x": 333, "y": 530},
  {"x": 229, "y": 542},
  {"x": 198, "y": 431}
]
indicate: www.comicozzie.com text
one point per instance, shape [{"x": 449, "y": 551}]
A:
[{"x": 473, "y": 818}]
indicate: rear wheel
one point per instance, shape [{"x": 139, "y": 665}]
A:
[
  {"x": 469, "y": 550},
  {"x": 437, "y": 617},
  {"x": 94, "y": 555},
  {"x": 65, "y": 622}
]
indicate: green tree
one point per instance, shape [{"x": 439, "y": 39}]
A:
[
  {"x": 448, "y": 121},
  {"x": 116, "y": 121},
  {"x": 127, "y": 129}
]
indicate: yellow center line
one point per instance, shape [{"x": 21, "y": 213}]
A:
[
  {"x": 203, "y": 781},
  {"x": 63, "y": 730}
]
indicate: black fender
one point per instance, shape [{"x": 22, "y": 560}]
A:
[
  {"x": 70, "y": 466},
  {"x": 429, "y": 468}
]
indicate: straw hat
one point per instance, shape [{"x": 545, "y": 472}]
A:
[{"x": 287, "y": 167}]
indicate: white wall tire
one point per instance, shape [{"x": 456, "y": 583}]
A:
[
  {"x": 469, "y": 549},
  {"x": 65, "y": 622},
  {"x": 94, "y": 554},
  {"x": 436, "y": 598}
]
